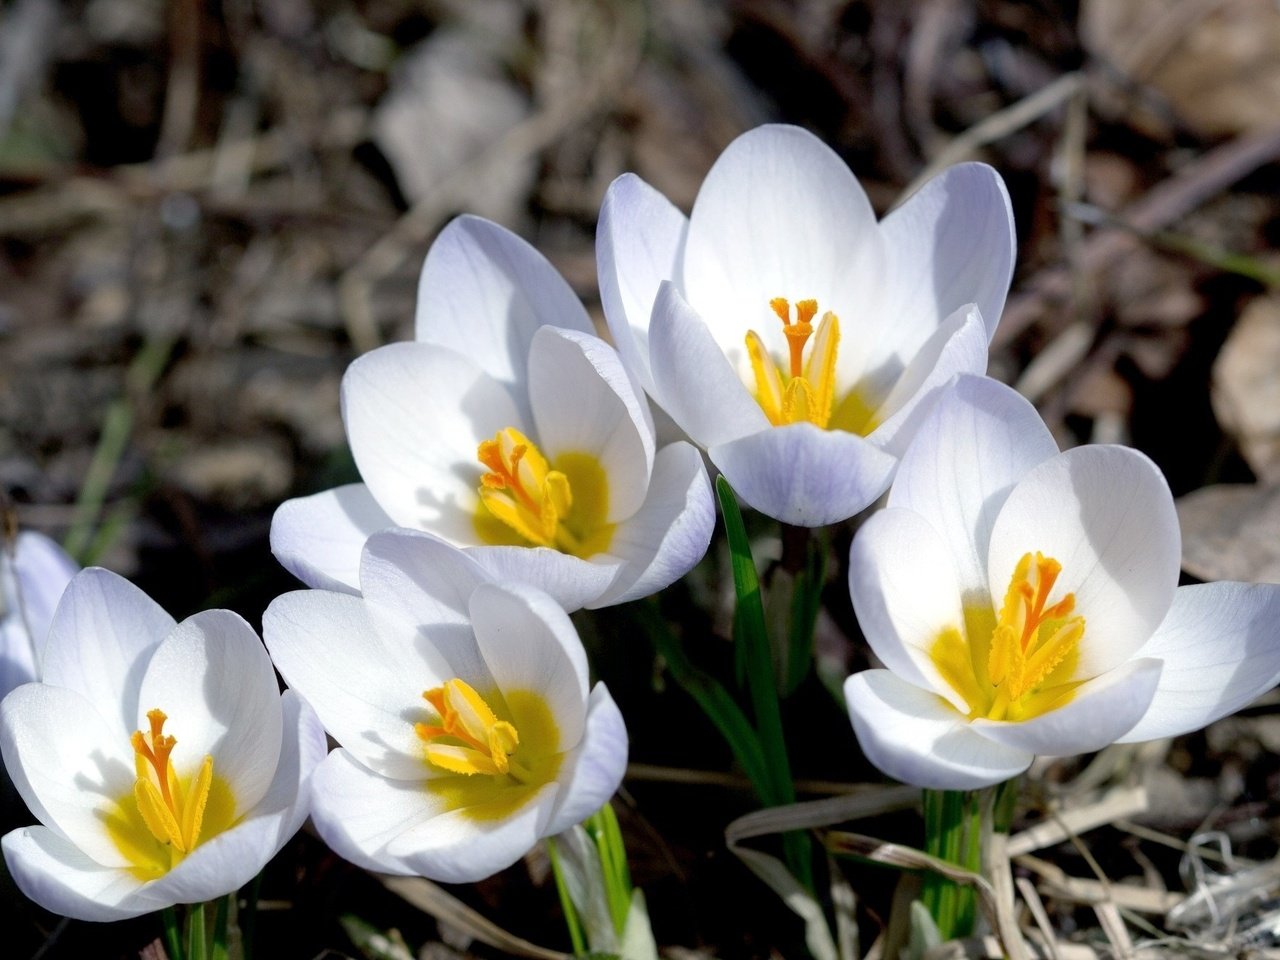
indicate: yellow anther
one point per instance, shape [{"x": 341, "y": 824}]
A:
[
  {"x": 521, "y": 489},
  {"x": 469, "y": 738},
  {"x": 173, "y": 815},
  {"x": 807, "y": 393}
]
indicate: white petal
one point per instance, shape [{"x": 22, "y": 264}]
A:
[
  {"x": 572, "y": 581},
  {"x": 361, "y": 669},
  {"x": 1105, "y": 513},
  {"x": 915, "y": 736},
  {"x": 905, "y": 594},
  {"x": 804, "y": 476},
  {"x": 639, "y": 243},
  {"x": 318, "y": 538},
  {"x": 33, "y": 584},
  {"x": 484, "y": 292},
  {"x": 950, "y": 244},
  {"x": 56, "y": 874},
  {"x": 358, "y": 813},
  {"x": 670, "y": 533},
  {"x": 530, "y": 644},
  {"x": 456, "y": 847},
  {"x": 594, "y": 771},
  {"x": 213, "y": 679},
  {"x": 69, "y": 764},
  {"x": 695, "y": 382},
  {"x": 980, "y": 439},
  {"x": 1101, "y": 712},
  {"x": 415, "y": 415},
  {"x": 427, "y": 583},
  {"x": 1220, "y": 651},
  {"x": 583, "y": 402},
  {"x": 779, "y": 215},
  {"x": 103, "y": 632},
  {"x": 959, "y": 346}
]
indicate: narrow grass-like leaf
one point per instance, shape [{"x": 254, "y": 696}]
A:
[{"x": 713, "y": 699}]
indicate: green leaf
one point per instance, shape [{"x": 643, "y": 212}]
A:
[{"x": 712, "y": 698}]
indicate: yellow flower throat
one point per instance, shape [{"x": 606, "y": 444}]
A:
[
  {"x": 806, "y": 391},
  {"x": 1022, "y": 662},
  {"x": 562, "y": 506}
]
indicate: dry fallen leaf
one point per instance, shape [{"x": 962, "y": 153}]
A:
[
  {"x": 1232, "y": 532},
  {"x": 1246, "y": 386},
  {"x": 1214, "y": 61}
]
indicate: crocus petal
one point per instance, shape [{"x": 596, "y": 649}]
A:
[
  {"x": 958, "y": 346},
  {"x": 415, "y": 415},
  {"x": 952, "y": 242},
  {"x": 904, "y": 591},
  {"x": 670, "y": 533},
  {"x": 69, "y": 764},
  {"x": 1100, "y": 713},
  {"x": 529, "y": 644},
  {"x": 639, "y": 243},
  {"x": 318, "y": 538},
  {"x": 459, "y": 847},
  {"x": 361, "y": 669},
  {"x": 39, "y": 573},
  {"x": 358, "y": 813},
  {"x": 484, "y": 292},
  {"x": 102, "y": 635},
  {"x": 779, "y": 215},
  {"x": 915, "y": 736},
  {"x": 1104, "y": 513},
  {"x": 427, "y": 583},
  {"x": 594, "y": 770},
  {"x": 63, "y": 879},
  {"x": 583, "y": 402},
  {"x": 804, "y": 476},
  {"x": 980, "y": 439},
  {"x": 572, "y": 581},
  {"x": 213, "y": 679},
  {"x": 1220, "y": 651},
  {"x": 695, "y": 382},
  {"x": 229, "y": 860}
]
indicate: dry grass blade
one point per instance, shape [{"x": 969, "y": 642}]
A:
[
  {"x": 1118, "y": 804},
  {"x": 431, "y": 899},
  {"x": 1058, "y": 884},
  {"x": 1031, "y": 898},
  {"x": 908, "y": 858}
]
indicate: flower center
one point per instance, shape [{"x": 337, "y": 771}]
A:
[
  {"x": 174, "y": 815},
  {"x": 1021, "y": 662},
  {"x": 562, "y": 507},
  {"x": 805, "y": 392},
  {"x": 469, "y": 738}
]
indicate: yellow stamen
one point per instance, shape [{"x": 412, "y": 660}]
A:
[
  {"x": 806, "y": 393},
  {"x": 1029, "y": 663},
  {"x": 538, "y": 502},
  {"x": 172, "y": 816},
  {"x": 474, "y": 739}
]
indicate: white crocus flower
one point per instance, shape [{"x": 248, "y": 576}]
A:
[
  {"x": 160, "y": 758},
  {"x": 462, "y": 708},
  {"x": 1026, "y": 601},
  {"x": 511, "y": 431},
  {"x": 787, "y": 332},
  {"x": 33, "y": 573}
]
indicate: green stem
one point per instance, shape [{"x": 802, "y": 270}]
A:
[
  {"x": 197, "y": 944},
  {"x": 172, "y": 933},
  {"x": 952, "y": 833},
  {"x": 221, "y": 927},
  {"x": 571, "y": 920}
]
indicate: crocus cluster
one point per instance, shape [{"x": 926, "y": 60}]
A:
[{"x": 516, "y": 467}]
